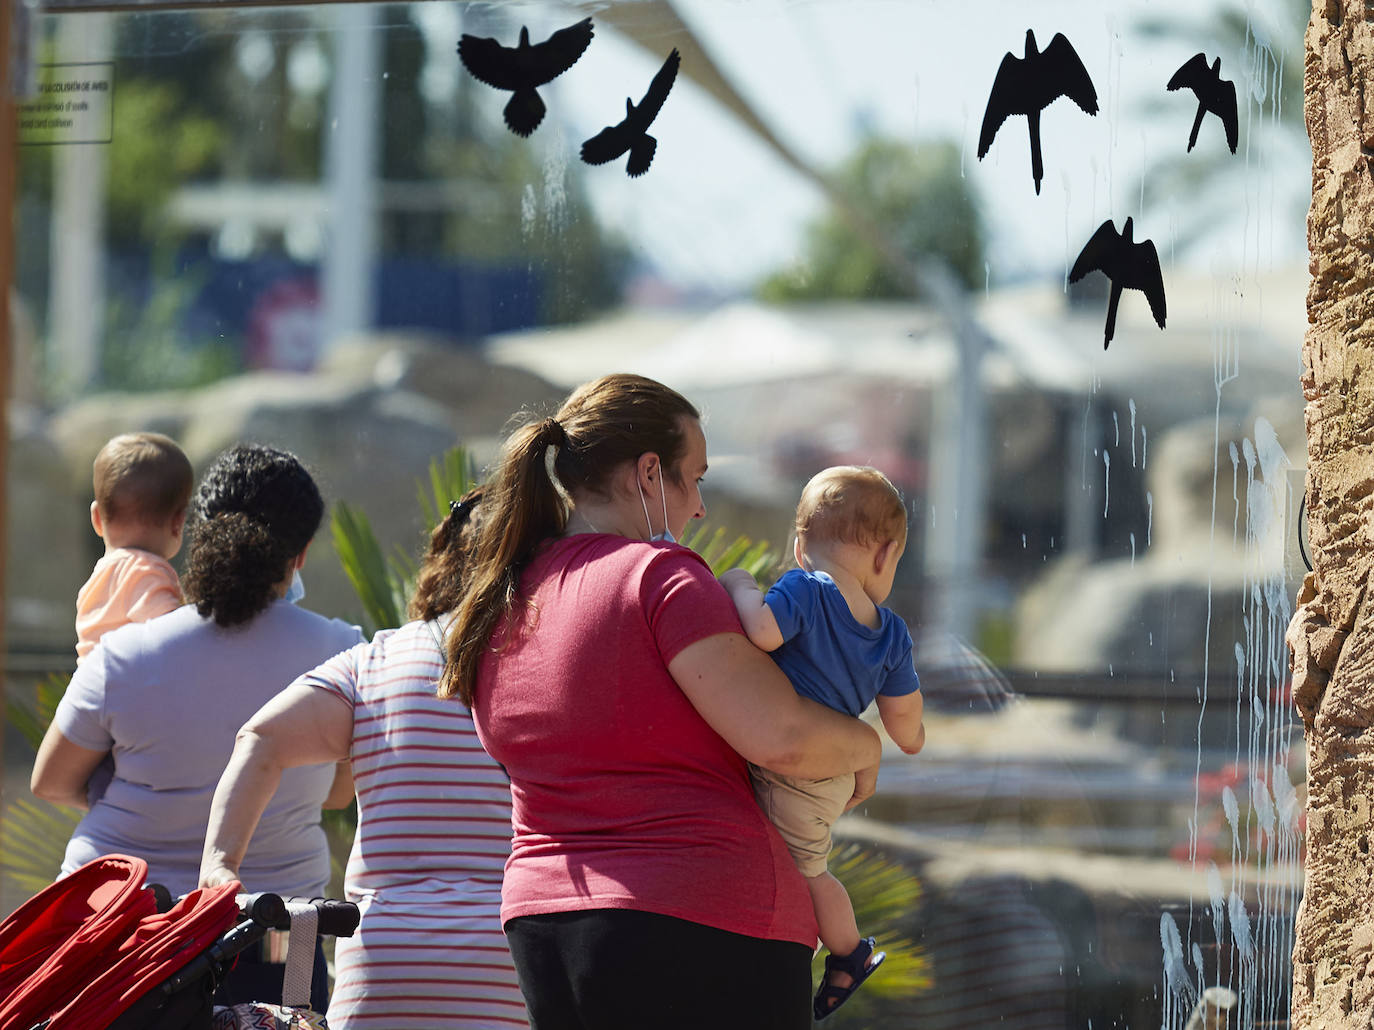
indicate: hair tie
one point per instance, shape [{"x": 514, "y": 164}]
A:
[
  {"x": 461, "y": 509},
  {"x": 552, "y": 430}
]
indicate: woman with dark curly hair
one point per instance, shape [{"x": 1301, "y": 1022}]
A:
[{"x": 166, "y": 697}]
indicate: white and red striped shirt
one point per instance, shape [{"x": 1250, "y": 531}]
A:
[{"x": 434, "y": 828}]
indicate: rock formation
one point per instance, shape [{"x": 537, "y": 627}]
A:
[
  {"x": 1180, "y": 606},
  {"x": 367, "y": 425},
  {"x": 1331, "y": 636}
]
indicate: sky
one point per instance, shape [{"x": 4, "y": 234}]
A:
[{"x": 718, "y": 210}]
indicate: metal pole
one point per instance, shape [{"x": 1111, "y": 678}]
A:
[
  {"x": 958, "y": 460},
  {"x": 76, "y": 292},
  {"x": 347, "y": 275}
]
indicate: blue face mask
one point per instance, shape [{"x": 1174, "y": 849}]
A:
[
  {"x": 295, "y": 593},
  {"x": 667, "y": 534}
]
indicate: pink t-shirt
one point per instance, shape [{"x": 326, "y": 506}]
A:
[
  {"x": 127, "y": 585},
  {"x": 623, "y": 796}
]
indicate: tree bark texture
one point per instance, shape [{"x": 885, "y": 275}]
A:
[{"x": 1331, "y": 637}]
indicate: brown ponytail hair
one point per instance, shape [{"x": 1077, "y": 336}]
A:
[
  {"x": 602, "y": 425},
  {"x": 444, "y": 569}
]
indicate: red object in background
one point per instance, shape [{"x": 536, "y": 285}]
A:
[{"x": 285, "y": 327}]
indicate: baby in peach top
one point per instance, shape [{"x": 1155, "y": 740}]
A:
[{"x": 142, "y": 487}]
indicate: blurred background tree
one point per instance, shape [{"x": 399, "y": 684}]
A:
[
  {"x": 923, "y": 200},
  {"x": 1260, "y": 43},
  {"x": 212, "y": 106},
  {"x": 512, "y": 200},
  {"x": 165, "y": 140}
]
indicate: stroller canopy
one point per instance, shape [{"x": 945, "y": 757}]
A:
[
  {"x": 83, "y": 950},
  {"x": 62, "y": 936}
]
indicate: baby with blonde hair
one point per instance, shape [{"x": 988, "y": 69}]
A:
[{"x": 825, "y": 626}]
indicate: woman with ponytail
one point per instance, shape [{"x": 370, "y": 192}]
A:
[
  {"x": 434, "y": 814},
  {"x": 166, "y": 697},
  {"x": 607, "y": 672}
]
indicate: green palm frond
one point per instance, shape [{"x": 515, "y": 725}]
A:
[
  {"x": 451, "y": 475},
  {"x": 723, "y": 552},
  {"x": 385, "y": 582},
  {"x": 382, "y": 594},
  {"x": 33, "y": 839},
  {"x": 33, "y": 834},
  {"x": 884, "y": 894},
  {"x": 32, "y": 719}
]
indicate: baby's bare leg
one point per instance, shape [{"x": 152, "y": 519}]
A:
[{"x": 835, "y": 917}]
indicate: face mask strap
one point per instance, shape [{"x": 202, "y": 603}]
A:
[
  {"x": 663, "y": 497},
  {"x": 645, "y": 505}
]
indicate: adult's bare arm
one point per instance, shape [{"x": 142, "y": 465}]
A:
[
  {"x": 302, "y": 725},
  {"x": 61, "y": 770},
  {"x": 744, "y": 696},
  {"x": 341, "y": 791}
]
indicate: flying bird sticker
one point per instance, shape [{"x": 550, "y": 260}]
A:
[
  {"x": 1215, "y": 95},
  {"x": 632, "y": 133},
  {"x": 1129, "y": 265},
  {"x": 524, "y": 67},
  {"x": 1028, "y": 85}
]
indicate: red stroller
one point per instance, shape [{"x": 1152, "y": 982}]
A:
[{"x": 98, "y": 950}]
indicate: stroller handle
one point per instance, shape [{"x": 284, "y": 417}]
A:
[
  {"x": 338, "y": 918},
  {"x": 263, "y": 912}
]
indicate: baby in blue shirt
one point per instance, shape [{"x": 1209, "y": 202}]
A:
[{"x": 826, "y": 628}]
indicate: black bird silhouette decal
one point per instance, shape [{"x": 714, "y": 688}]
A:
[
  {"x": 1029, "y": 85},
  {"x": 632, "y": 134},
  {"x": 1214, "y": 94},
  {"x": 523, "y": 68},
  {"x": 1129, "y": 265}
]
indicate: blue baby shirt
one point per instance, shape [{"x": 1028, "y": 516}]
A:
[{"x": 829, "y": 655}]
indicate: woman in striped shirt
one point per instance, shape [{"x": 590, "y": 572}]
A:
[{"x": 434, "y": 817}]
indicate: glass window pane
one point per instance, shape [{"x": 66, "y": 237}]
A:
[{"x": 1052, "y": 286}]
